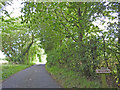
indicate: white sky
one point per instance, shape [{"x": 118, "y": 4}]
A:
[
  {"x": 15, "y": 8},
  {"x": 2, "y": 54}
]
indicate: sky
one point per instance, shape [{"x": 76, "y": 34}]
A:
[
  {"x": 15, "y": 8},
  {"x": 2, "y": 54}
]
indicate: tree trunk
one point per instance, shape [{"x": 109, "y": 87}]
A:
[
  {"x": 6, "y": 53},
  {"x": 29, "y": 45},
  {"x": 94, "y": 54},
  {"x": 28, "y": 57},
  {"x": 80, "y": 35},
  {"x": 28, "y": 48}
]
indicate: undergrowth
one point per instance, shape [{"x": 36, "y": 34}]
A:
[{"x": 71, "y": 79}]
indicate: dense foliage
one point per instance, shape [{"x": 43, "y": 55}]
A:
[
  {"x": 68, "y": 35},
  {"x": 18, "y": 41}
]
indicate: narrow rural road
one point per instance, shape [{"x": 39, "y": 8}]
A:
[{"x": 32, "y": 77}]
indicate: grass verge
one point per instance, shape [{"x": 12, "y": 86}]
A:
[
  {"x": 70, "y": 79},
  {"x": 10, "y": 69}
]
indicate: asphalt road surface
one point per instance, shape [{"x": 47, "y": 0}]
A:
[{"x": 32, "y": 77}]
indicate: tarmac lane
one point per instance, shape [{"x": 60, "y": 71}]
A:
[{"x": 33, "y": 77}]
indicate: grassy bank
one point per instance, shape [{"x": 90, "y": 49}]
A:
[
  {"x": 70, "y": 79},
  {"x": 10, "y": 69}
]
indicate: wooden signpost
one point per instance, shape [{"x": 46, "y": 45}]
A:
[{"x": 103, "y": 71}]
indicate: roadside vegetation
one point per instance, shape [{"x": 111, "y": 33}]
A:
[
  {"x": 10, "y": 69},
  {"x": 70, "y": 79}
]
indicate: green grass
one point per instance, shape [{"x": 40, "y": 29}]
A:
[
  {"x": 10, "y": 69},
  {"x": 70, "y": 79}
]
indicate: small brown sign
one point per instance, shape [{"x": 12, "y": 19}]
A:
[{"x": 103, "y": 70}]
